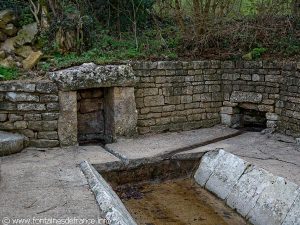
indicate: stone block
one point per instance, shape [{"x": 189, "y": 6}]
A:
[
  {"x": 121, "y": 108},
  {"x": 272, "y": 116},
  {"x": 7, "y": 106},
  {"x": 54, "y": 106},
  {"x": 18, "y": 86},
  {"x": 3, "y": 117},
  {"x": 46, "y": 87},
  {"x": 91, "y": 93},
  {"x": 50, "y": 116},
  {"x": 90, "y": 75},
  {"x": 26, "y": 132},
  {"x": 10, "y": 143},
  {"x": 50, "y": 135},
  {"x": 274, "y": 203},
  {"x": 293, "y": 216},
  {"x": 21, "y": 97},
  {"x": 43, "y": 125},
  {"x": 44, "y": 143},
  {"x": 247, "y": 190},
  {"x": 266, "y": 108},
  {"x": 271, "y": 124},
  {"x": 150, "y": 91},
  {"x": 32, "y": 117},
  {"x": 48, "y": 98},
  {"x": 226, "y": 174},
  {"x": 67, "y": 122},
  {"x": 207, "y": 166},
  {"x": 31, "y": 107},
  {"x": 240, "y": 96},
  {"x": 186, "y": 99},
  {"x": 90, "y": 105},
  {"x": 14, "y": 117},
  {"x": 229, "y": 110},
  {"x": 18, "y": 125},
  {"x": 7, "y": 126},
  {"x": 154, "y": 100}
]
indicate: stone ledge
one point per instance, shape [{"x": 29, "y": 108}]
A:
[
  {"x": 10, "y": 143},
  {"x": 109, "y": 203},
  {"x": 90, "y": 75}
]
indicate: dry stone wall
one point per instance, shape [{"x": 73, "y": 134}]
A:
[
  {"x": 174, "y": 96},
  {"x": 168, "y": 96},
  {"x": 31, "y": 109},
  {"x": 185, "y": 95}
]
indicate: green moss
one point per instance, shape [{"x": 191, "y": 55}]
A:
[{"x": 8, "y": 73}]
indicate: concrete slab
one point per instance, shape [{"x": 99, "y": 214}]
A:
[
  {"x": 163, "y": 145},
  {"x": 280, "y": 156},
  {"x": 49, "y": 183}
]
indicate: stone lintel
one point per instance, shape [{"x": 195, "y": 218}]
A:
[{"x": 90, "y": 75}]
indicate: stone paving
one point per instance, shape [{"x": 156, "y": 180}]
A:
[{"x": 49, "y": 183}]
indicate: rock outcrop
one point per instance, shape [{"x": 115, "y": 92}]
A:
[{"x": 16, "y": 48}]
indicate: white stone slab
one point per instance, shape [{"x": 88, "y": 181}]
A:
[
  {"x": 248, "y": 189},
  {"x": 226, "y": 174},
  {"x": 274, "y": 203},
  {"x": 293, "y": 216},
  {"x": 207, "y": 166}
]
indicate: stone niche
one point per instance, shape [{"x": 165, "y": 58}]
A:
[
  {"x": 246, "y": 110},
  {"x": 90, "y": 116},
  {"x": 97, "y": 103}
]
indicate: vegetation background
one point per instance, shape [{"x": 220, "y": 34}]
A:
[{"x": 108, "y": 31}]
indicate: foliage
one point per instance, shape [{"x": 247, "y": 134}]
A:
[
  {"x": 8, "y": 73},
  {"x": 108, "y": 31},
  {"x": 21, "y": 8}
]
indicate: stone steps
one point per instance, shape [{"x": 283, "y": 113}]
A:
[{"x": 11, "y": 143}]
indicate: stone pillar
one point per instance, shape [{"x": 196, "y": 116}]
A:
[
  {"x": 120, "y": 112},
  {"x": 67, "y": 122}
]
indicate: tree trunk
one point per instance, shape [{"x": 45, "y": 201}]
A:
[
  {"x": 296, "y": 8},
  {"x": 179, "y": 16}
]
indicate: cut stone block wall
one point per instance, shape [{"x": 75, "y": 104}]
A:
[
  {"x": 31, "y": 109},
  {"x": 174, "y": 96},
  {"x": 162, "y": 96},
  {"x": 186, "y": 95}
]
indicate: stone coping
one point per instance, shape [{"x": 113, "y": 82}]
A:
[
  {"x": 110, "y": 204},
  {"x": 259, "y": 196},
  {"x": 90, "y": 75}
]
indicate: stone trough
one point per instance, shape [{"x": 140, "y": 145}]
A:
[{"x": 254, "y": 195}]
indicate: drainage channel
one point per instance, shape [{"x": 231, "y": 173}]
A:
[{"x": 169, "y": 155}]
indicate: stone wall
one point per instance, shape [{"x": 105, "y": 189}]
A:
[
  {"x": 288, "y": 106},
  {"x": 178, "y": 95},
  {"x": 31, "y": 109},
  {"x": 251, "y": 86},
  {"x": 168, "y": 96},
  {"x": 187, "y": 95}
]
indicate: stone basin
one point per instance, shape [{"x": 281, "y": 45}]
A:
[{"x": 219, "y": 188}]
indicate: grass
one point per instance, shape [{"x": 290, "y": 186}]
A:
[
  {"x": 113, "y": 50},
  {"x": 8, "y": 73}
]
